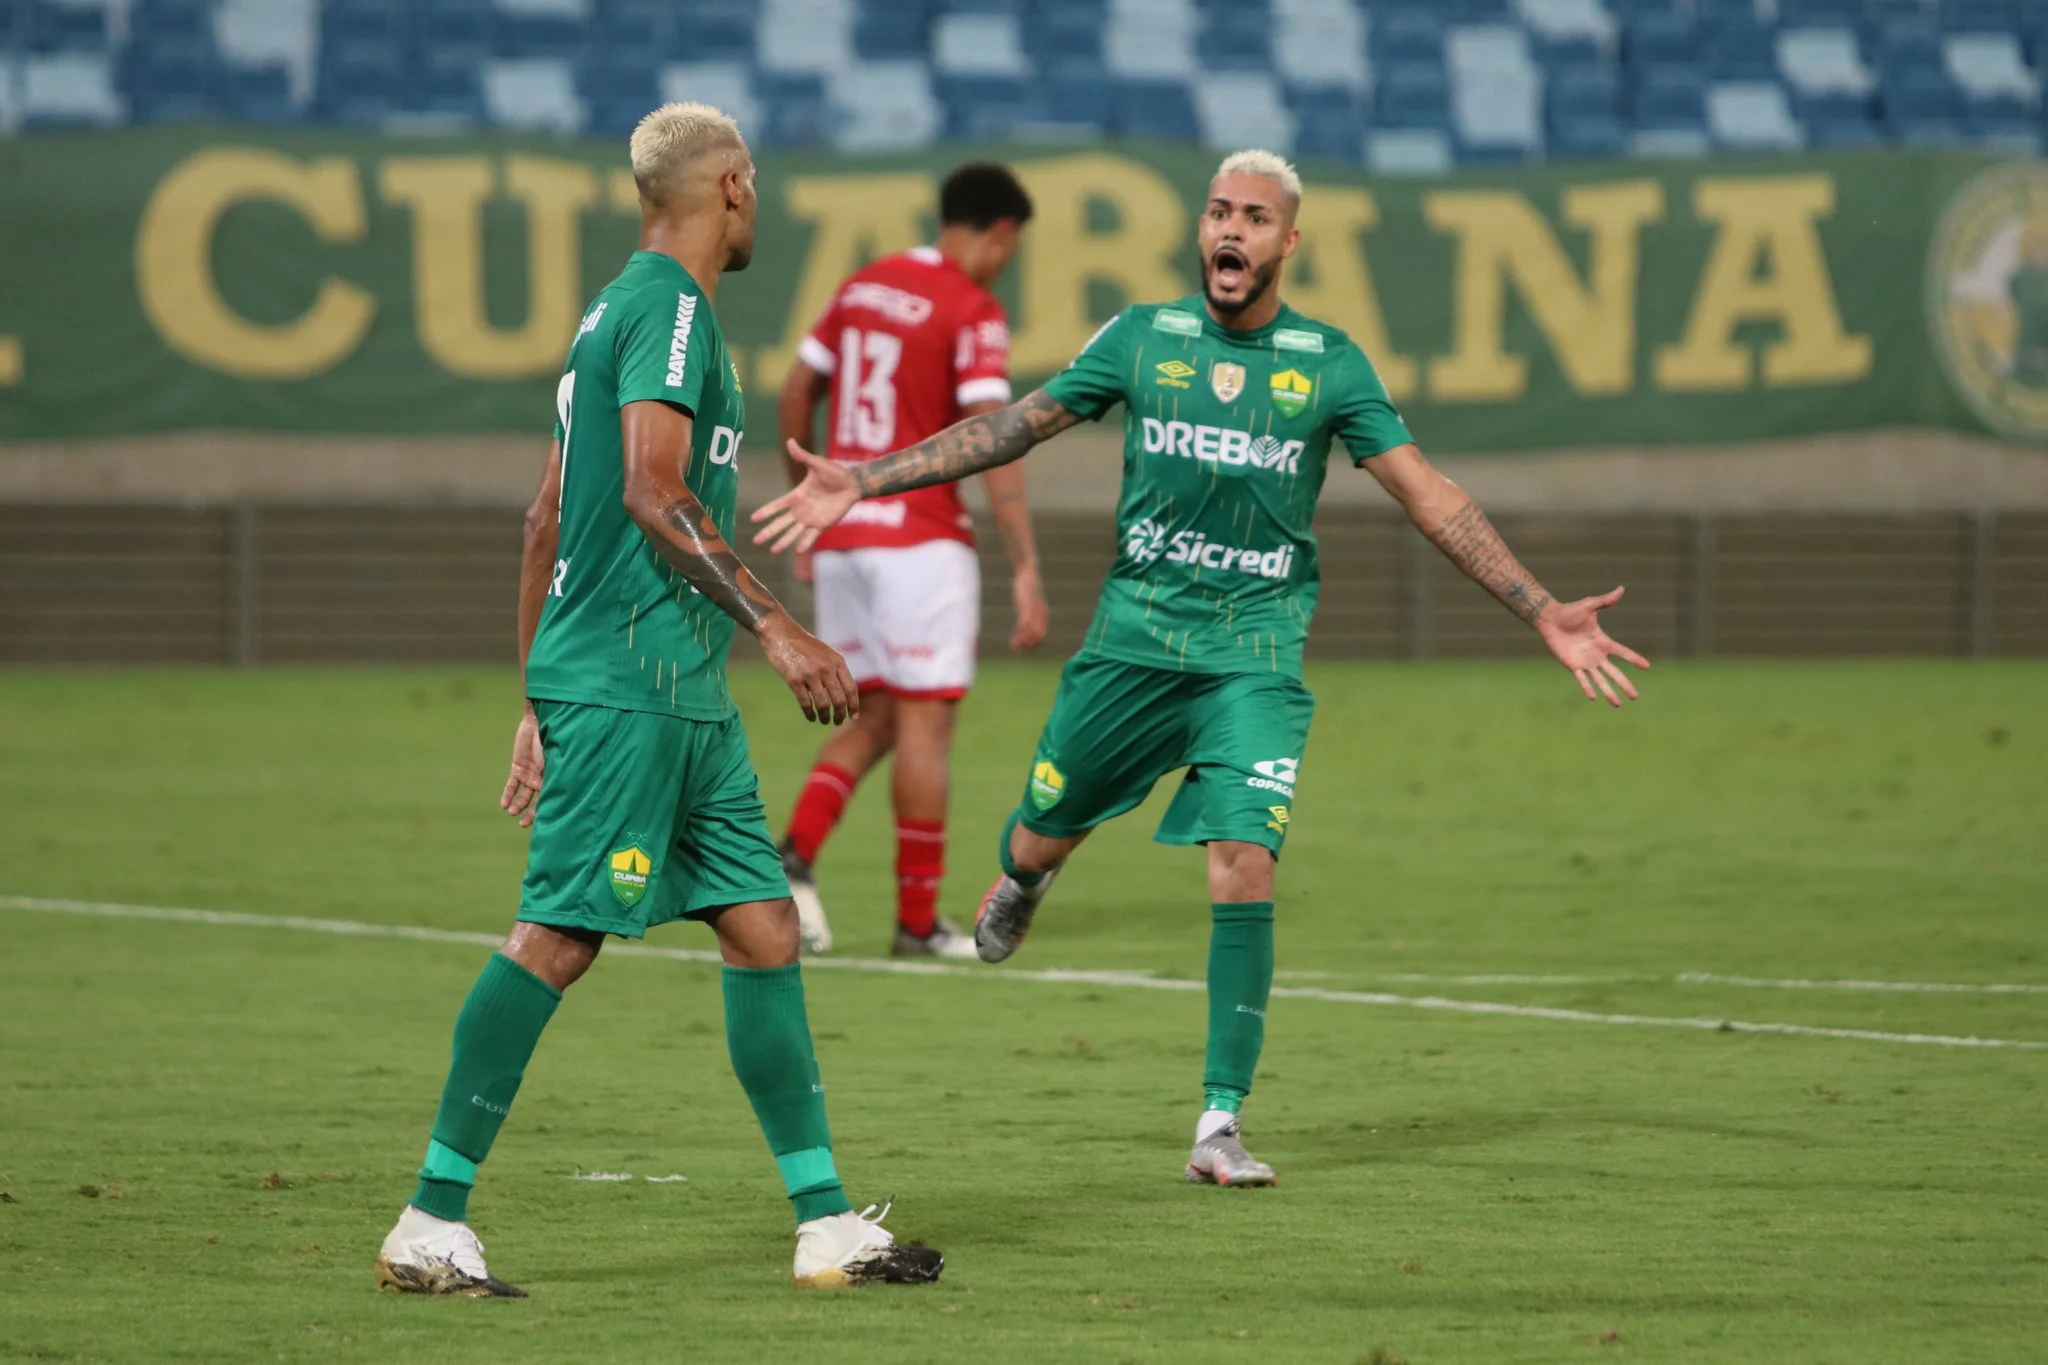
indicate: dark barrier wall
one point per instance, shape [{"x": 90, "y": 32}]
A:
[
  {"x": 284, "y": 585},
  {"x": 177, "y": 278}
]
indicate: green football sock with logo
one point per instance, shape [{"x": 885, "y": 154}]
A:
[
  {"x": 1027, "y": 880},
  {"x": 768, "y": 1035},
  {"x": 495, "y": 1035},
  {"x": 1240, "y": 980}
]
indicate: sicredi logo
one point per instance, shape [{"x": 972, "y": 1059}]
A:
[
  {"x": 1147, "y": 542},
  {"x": 1219, "y": 445}
]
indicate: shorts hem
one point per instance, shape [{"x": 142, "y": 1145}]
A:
[
  {"x": 1045, "y": 831},
  {"x": 742, "y": 896},
  {"x": 617, "y": 928},
  {"x": 1190, "y": 838}
]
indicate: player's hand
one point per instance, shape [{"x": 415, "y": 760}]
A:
[
  {"x": 798, "y": 516},
  {"x": 522, "y": 789},
  {"x": 1028, "y": 595},
  {"x": 1572, "y": 630},
  {"x": 805, "y": 567},
  {"x": 816, "y": 675}
]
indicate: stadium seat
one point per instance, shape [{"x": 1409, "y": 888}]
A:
[
  {"x": 1552, "y": 22},
  {"x": 68, "y": 90},
  {"x": 724, "y": 85},
  {"x": 882, "y": 106},
  {"x": 1905, "y": 41},
  {"x": 1661, "y": 38},
  {"x": 1752, "y": 116},
  {"x": 618, "y": 85},
  {"x": 271, "y": 33},
  {"x": 169, "y": 77},
  {"x": 1669, "y": 142},
  {"x": 455, "y": 34},
  {"x": 1670, "y": 97},
  {"x": 170, "y": 20},
  {"x": 1583, "y": 137},
  {"x": 1496, "y": 93},
  {"x": 1714, "y": 12},
  {"x": 1823, "y": 61},
  {"x": 978, "y": 45},
  {"x": 1821, "y": 13},
  {"x": 891, "y": 32},
  {"x": 361, "y": 80},
  {"x": 1592, "y": 92},
  {"x": 1238, "y": 109},
  {"x": 1320, "y": 44},
  {"x": 1064, "y": 35},
  {"x": 536, "y": 94},
  {"x": 1832, "y": 133},
  {"x": 1151, "y": 40},
  {"x": 256, "y": 94},
  {"x": 1408, "y": 151},
  {"x": 1919, "y": 96},
  {"x": 1329, "y": 130},
  {"x": 1740, "y": 48},
  {"x": 54, "y": 28},
  {"x": 1067, "y": 105},
  {"x": 1407, "y": 35},
  {"x": 2002, "y": 131},
  {"x": 1981, "y": 16},
  {"x": 1237, "y": 38},
  {"x": 809, "y": 36},
  {"x": 1989, "y": 70},
  {"x": 1160, "y": 110},
  {"x": 362, "y": 21},
  {"x": 1411, "y": 95}
]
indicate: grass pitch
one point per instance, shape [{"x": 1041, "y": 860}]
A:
[{"x": 205, "y": 1128}]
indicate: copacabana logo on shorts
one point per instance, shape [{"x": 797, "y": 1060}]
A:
[
  {"x": 1048, "y": 784},
  {"x": 1145, "y": 541},
  {"x": 631, "y": 868},
  {"x": 1275, "y": 775},
  {"x": 1222, "y": 446},
  {"x": 1987, "y": 297}
]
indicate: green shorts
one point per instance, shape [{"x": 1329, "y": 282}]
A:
[
  {"x": 643, "y": 819},
  {"x": 1117, "y": 728}
]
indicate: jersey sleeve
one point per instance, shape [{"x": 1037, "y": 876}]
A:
[
  {"x": 1366, "y": 420},
  {"x": 981, "y": 355},
  {"x": 820, "y": 347},
  {"x": 1095, "y": 381},
  {"x": 666, "y": 345}
]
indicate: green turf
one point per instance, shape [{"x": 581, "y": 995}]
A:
[{"x": 205, "y": 1130}]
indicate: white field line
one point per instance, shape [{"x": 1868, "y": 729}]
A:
[
  {"x": 1926, "y": 987},
  {"x": 1682, "y": 979},
  {"x": 1054, "y": 976}
]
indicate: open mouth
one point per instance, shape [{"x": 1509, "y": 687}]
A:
[{"x": 1228, "y": 269}]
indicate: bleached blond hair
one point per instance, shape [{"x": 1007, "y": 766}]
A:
[
  {"x": 670, "y": 141},
  {"x": 1257, "y": 161}
]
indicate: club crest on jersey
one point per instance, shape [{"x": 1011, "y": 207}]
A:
[
  {"x": 1048, "y": 784},
  {"x": 631, "y": 868},
  {"x": 1227, "y": 380},
  {"x": 1291, "y": 390}
]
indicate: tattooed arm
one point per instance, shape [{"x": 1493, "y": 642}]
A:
[
  {"x": 1453, "y": 522},
  {"x": 682, "y": 531},
  {"x": 973, "y": 446}
]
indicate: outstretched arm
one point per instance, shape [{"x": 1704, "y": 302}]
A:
[
  {"x": 967, "y": 447},
  {"x": 683, "y": 532},
  {"x": 1453, "y": 522}
]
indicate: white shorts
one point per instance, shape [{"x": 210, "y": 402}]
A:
[{"x": 906, "y": 618}]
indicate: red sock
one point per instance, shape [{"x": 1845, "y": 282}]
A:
[
  {"x": 920, "y": 864},
  {"x": 818, "y": 808}
]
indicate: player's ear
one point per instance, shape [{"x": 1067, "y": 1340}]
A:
[{"x": 1293, "y": 241}]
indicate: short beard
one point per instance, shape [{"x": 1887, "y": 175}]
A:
[
  {"x": 739, "y": 258},
  {"x": 1262, "y": 280}
]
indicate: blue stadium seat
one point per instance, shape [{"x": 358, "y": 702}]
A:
[
  {"x": 169, "y": 79},
  {"x": 891, "y": 33},
  {"x": 1899, "y": 41},
  {"x": 1407, "y": 35},
  {"x": 1565, "y": 53},
  {"x": 1657, "y": 37},
  {"x": 1670, "y": 97},
  {"x": 1239, "y": 38},
  {"x": 1587, "y": 137},
  {"x": 618, "y": 84},
  {"x": 1079, "y": 102},
  {"x": 794, "y": 112},
  {"x": 64, "y": 28},
  {"x": 629, "y": 30},
  {"x": 1740, "y": 49},
  {"x": 1330, "y": 131},
  {"x": 538, "y": 36},
  {"x": 362, "y": 21},
  {"x": 982, "y": 6},
  {"x": 1982, "y": 16},
  {"x": 702, "y": 37},
  {"x": 1411, "y": 95},
  {"x": 1916, "y": 95},
  {"x": 157, "y": 20},
  {"x": 1831, "y": 133},
  {"x": 1587, "y": 92},
  {"x": 1156, "y": 109},
  {"x": 1817, "y": 13},
  {"x": 362, "y": 81},
  {"x": 450, "y": 32},
  {"x": 1717, "y": 11},
  {"x": 1064, "y": 34},
  {"x": 255, "y": 94}
]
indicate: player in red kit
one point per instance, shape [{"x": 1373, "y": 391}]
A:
[{"x": 910, "y": 345}]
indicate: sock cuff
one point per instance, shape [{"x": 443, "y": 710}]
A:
[
  {"x": 929, "y": 828},
  {"x": 522, "y": 975},
  {"x": 444, "y": 1163},
  {"x": 834, "y": 775},
  {"x": 789, "y": 977},
  {"x": 807, "y": 1171},
  {"x": 1242, "y": 910}
]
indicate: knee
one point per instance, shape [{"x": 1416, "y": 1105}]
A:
[
  {"x": 770, "y": 940},
  {"x": 1240, "y": 871},
  {"x": 557, "y": 956}
]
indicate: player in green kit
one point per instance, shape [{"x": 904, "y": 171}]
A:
[
  {"x": 1193, "y": 661},
  {"x": 650, "y": 812}
]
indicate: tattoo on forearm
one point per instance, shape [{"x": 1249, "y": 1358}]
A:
[
  {"x": 691, "y": 543},
  {"x": 965, "y": 448},
  {"x": 1469, "y": 541}
]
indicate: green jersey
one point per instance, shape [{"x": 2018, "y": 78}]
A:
[
  {"x": 619, "y": 627},
  {"x": 1226, "y": 439}
]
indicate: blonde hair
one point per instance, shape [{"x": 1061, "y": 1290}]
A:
[
  {"x": 1272, "y": 165},
  {"x": 670, "y": 140}
]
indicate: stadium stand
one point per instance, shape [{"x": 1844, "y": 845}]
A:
[{"x": 1396, "y": 84}]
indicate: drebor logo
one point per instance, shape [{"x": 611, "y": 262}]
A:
[
  {"x": 1148, "y": 542},
  {"x": 1220, "y": 445}
]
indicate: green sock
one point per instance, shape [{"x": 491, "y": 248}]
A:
[
  {"x": 768, "y": 1035},
  {"x": 495, "y": 1034},
  {"x": 1027, "y": 880},
  {"x": 1240, "y": 979}
]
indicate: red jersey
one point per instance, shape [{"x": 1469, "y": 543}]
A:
[{"x": 908, "y": 341}]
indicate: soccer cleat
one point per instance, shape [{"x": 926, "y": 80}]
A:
[
  {"x": 1005, "y": 916},
  {"x": 945, "y": 940},
  {"x": 1220, "y": 1159},
  {"x": 429, "y": 1255},
  {"x": 851, "y": 1248},
  {"x": 810, "y": 910}
]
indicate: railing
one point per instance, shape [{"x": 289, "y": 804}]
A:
[{"x": 252, "y": 585}]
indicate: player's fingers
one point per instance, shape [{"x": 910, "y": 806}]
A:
[
  {"x": 1605, "y": 690},
  {"x": 1608, "y": 599},
  {"x": 800, "y": 689},
  {"x": 770, "y": 509},
  {"x": 1620, "y": 678},
  {"x": 1625, "y": 652},
  {"x": 806, "y": 537},
  {"x": 1585, "y": 684},
  {"x": 773, "y": 528}
]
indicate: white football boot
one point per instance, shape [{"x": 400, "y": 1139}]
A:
[
  {"x": 1221, "y": 1159},
  {"x": 851, "y": 1248},
  {"x": 945, "y": 940},
  {"x": 429, "y": 1255},
  {"x": 812, "y": 926}
]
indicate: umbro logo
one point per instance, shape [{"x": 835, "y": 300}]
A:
[{"x": 1174, "y": 374}]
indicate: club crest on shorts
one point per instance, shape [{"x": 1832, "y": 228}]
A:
[
  {"x": 1048, "y": 784},
  {"x": 631, "y": 868},
  {"x": 1291, "y": 390},
  {"x": 1227, "y": 380}
]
